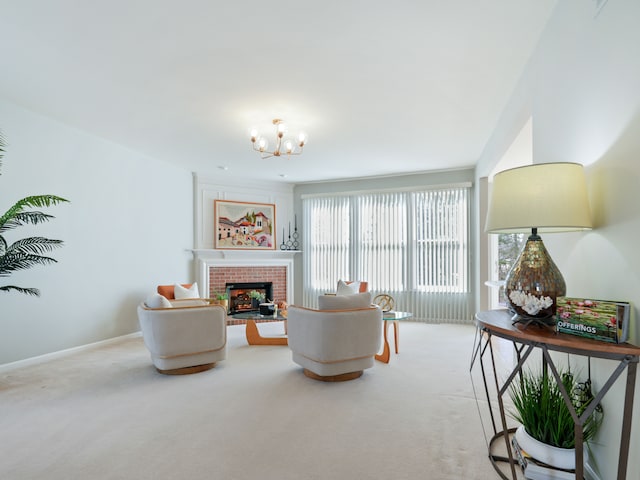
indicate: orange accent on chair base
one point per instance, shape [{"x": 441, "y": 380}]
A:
[
  {"x": 254, "y": 337},
  {"x": 343, "y": 377},
  {"x": 188, "y": 370}
]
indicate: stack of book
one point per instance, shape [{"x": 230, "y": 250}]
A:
[
  {"x": 535, "y": 470},
  {"x": 603, "y": 320}
]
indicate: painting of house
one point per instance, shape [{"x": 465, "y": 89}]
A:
[{"x": 242, "y": 225}]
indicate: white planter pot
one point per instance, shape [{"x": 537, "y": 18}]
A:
[{"x": 554, "y": 456}]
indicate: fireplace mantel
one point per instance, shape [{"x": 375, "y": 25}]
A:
[
  {"x": 208, "y": 258},
  {"x": 243, "y": 254}
]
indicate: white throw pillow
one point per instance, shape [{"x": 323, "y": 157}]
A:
[
  {"x": 189, "y": 302},
  {"x": 180, "y": 292},
  {"x": 345, "y": 288},
  {"x": 155, "y": 300},
  {"x": 344, "y": 302}
]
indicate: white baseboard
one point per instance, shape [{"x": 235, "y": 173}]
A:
[{"x": 61, "y": 353}]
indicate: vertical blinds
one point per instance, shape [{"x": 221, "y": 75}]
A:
[{"x": 411, "y": 245}]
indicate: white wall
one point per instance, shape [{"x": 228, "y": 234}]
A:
[
  {"x": 581, "y": 88},
  {"x": 127, "y": 229}
]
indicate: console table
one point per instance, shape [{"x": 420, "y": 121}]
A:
[{"x": 499, "y": 323}]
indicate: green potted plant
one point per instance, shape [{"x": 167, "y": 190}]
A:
[
  {"x": 27, "y": 252},
  {"x": 256, "y": 298},
  {"x": 221, "y": 298},
  {"x": 547, "y": 430}
]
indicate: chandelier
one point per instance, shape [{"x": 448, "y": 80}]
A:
[{"x": 283, "y": 146}]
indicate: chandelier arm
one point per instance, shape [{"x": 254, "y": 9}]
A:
[
  {"x": 267, "y": 154},
  {"x": 263, "y": 153}
]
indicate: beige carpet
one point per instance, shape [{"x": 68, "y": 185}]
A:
[{"x": 106, "y": 413}]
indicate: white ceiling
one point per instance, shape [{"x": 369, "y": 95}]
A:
[{"x": 380, "y": 87}]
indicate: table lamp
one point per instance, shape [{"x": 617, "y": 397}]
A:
[{"x": 541, "y": 198}]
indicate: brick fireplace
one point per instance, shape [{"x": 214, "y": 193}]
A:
[
  {"x": 277, "y": 275},
  {"x": 216, "y": 268}
]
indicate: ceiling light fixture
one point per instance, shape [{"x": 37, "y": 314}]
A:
[{"x": 283, "y": 146}]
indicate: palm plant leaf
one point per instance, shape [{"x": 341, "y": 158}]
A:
[
  {"x": 10, "y": 262},
  {"x": 25, "y": 253},
  {"x": 25, "y": 218},
  {"x": 28, "y": 291},
  {"x": 33, "y": 245},
  {"x": 35, "y": 201},
  {"x": 1, "y": 148}
]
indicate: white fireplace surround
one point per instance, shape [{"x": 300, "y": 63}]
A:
[{"x": 207, "y": 258}]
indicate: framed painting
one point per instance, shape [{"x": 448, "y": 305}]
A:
[{"x": 244, "y": 225}]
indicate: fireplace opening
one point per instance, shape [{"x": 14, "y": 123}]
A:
[{"x": 240, "y": 299}]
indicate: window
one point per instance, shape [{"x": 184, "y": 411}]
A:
[
  {"x": 381, "y": 247},
  {"x": 407, "y": 244},
  {"x": 441, "y": 240},
  {"x": 327, "y": 221},
  {"x": 509, "y": 247}
]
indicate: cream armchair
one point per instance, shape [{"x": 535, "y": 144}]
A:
[
  {"x": 188, "y": 337},
  {"x": 334, "y": 345}
]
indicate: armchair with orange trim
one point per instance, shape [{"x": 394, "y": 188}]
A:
[
  {"x": 338, "y": 341},
  {"x": 184, "y": 335}
]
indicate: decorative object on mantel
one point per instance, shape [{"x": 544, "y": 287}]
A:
[
  {"x": 296, "y": 243},
  {"x": 291, "y": 244},
  {"x": 546, "y": 197},
  {"x": 244, "y": 225},
  {"x": 283, "y": 147}
]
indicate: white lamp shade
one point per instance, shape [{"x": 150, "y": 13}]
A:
[{"x": 551, "y": 197}]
